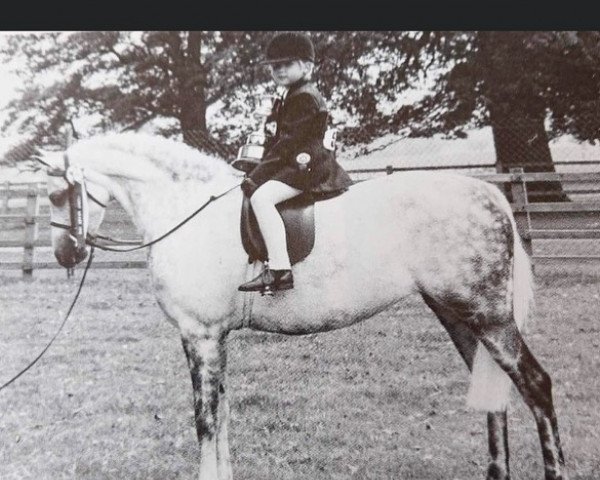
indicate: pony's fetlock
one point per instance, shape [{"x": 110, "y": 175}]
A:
[{"x": 496, "y": 472}]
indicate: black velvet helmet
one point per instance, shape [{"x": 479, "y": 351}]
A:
[{"x": 288, "y": 46}]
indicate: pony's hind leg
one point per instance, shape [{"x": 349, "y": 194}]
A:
[
  {"x": 498, "y": 468},
  {"x": 465, "y": 342},
  {"x": 507, "y": 347}
]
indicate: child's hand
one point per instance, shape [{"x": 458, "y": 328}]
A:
[
  {"x": 270, "y": 128},
  {"x": 248, "y": 186}
]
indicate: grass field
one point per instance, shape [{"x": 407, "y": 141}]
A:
[{"x": 381, "y": 400}]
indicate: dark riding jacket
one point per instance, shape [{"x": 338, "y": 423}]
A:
[{"x": 301, "y": 125}]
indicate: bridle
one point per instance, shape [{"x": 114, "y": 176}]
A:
[{"x": 77, "y": 196}]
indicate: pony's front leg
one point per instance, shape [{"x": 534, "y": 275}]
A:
[
  {"x": 223, "y": 456},
  {"x": 206, "y": 359}
]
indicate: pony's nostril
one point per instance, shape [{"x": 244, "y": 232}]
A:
[
  {"x": 82, "y": 255},
  {"x": 65, "y": 261},
  {"x": 68, "y": 257}
]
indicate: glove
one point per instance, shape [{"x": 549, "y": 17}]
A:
[{"x": 248, "y": 186}]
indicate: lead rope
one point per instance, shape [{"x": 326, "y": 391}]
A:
[{"x": 34, "y": 361}]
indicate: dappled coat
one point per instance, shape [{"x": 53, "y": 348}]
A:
[{"x": 301, "y": 125}]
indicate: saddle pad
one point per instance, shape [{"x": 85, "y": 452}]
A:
[{"x": 299, "y": 219}]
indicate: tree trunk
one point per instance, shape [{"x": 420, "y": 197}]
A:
[
  {"x": 523, "y": 142},
  {"x": 192, "y": 95},
  {"x": 516, "y": 110}
]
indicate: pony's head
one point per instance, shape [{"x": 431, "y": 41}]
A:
[
  {"x": 77, "y": 206},
  {"x": 83, "y": 179}
]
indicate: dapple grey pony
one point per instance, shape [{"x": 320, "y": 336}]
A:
[{"x": 449, "y": 238}]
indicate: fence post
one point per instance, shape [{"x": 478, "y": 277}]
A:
[
  {"x": 5, "y": 196},
  {"x": 31, "y": 231},
  {"x": 518, "y": 189}
]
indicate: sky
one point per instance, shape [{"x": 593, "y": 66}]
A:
[
  {"x": 8, "y": 82},
  {"x": 8, "y": 86}
]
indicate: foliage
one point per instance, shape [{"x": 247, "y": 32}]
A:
[
  {"x": 121, "y": 80},
  {"x": 117, "y": 80},
  {"x": 124, "y": 79},
  {"x": 522, "y": 74}
]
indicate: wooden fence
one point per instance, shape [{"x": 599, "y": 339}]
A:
[
  {"x": 554, "y": 220},
  {"x": 535, "y": 221},
  {"x": 30, "y": 219}
]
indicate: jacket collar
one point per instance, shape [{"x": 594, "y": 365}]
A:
[{"x": 295, "y": 86}]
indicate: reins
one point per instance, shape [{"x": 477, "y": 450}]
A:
[
  {"x": 36, "y": 359},
  {"x": 90, "y": 240}
]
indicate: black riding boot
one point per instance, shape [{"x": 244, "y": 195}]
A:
[{"x": 269, "y": 281}]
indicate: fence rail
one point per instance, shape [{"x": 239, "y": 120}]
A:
[
  {"x": 573, "y": 220},
  {"x": 472, "y": 166}
]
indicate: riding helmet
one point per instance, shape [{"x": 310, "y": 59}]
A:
[{"x": 288, "y": 46}]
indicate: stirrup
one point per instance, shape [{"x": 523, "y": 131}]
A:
[
  {"x": 267, "y": 282},
  {"x": 267, "y": 291}
]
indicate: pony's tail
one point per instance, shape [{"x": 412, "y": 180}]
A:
[{"x": 490, "y": 385}]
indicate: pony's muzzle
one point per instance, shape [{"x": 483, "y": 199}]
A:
[{"x": 68, "y": 253}]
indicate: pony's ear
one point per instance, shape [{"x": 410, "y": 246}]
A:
[
  {"x": 41, "y": 156},
  {"x": 45, "y": 158}
]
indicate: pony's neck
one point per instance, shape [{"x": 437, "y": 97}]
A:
[
  {"x": 156, "y": 206},
  {"x": 157, "y": 183}
]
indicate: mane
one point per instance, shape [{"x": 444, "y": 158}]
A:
[{"x": 179, "y": 160}]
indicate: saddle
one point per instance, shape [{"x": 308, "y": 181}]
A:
[{"x": 299, "y": 219}]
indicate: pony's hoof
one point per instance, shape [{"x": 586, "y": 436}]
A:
[
  {"x": 496, "y": 473},
  {"x": 556, "y": 474}
]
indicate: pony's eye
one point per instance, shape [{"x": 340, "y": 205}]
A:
[{"x": 58, "y": 198}]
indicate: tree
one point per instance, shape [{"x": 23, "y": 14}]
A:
[
  {"x": 528, "y": 86},
  {"x": 515, "y": 82},
  {"x": 121, "y": 80},
  {"x": 531, "y": 76}
]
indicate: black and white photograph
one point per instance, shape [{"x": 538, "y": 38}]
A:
[{"x": 291, "y": 254}]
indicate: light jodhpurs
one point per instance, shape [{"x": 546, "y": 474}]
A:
[{"x": 271, "y": 225}]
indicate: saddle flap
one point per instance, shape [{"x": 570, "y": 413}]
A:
[{"x": 299, "y": 220}]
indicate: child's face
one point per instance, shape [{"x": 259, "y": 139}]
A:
[{"x": 287, "y": 73}]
